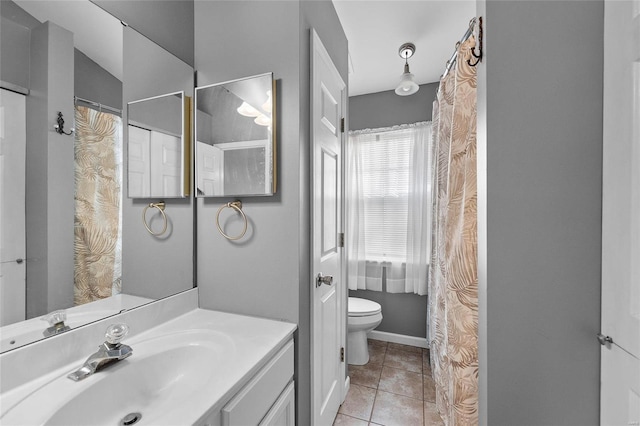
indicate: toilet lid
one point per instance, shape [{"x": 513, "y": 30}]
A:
[{"x": 363, "y": 307}]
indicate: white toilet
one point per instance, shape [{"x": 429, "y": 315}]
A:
[{"x": 364, "y": 316}]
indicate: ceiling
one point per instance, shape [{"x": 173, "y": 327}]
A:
[{"x": 376, "y": 29}]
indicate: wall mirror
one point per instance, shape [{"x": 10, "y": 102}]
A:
[
  {"x": 62, "y": 260},
  {"x": 235, "y": 138},
  {"x": 158, "y": 146}
]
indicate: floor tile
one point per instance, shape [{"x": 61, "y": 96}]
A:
[
  {"x": 359, "y": 402},
  {"x": 377, "y": 342},
  {"x": 404, "y": 360},
  {"x": 397, "y": 410},
  {"x": 365, "y": 375},
  {"x": 376, "y": 353},
  {"x": 401, "y": 382},
  {"x": 429, "y": 388},
  {"x": 405, "y": 348},
  {"x": 431, "y": 416},
  {"x": 342, "y": 420}
]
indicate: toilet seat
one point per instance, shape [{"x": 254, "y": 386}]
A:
[{"x": 362, "y": 307}]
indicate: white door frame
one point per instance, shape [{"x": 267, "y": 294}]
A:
[{"x": 620, "y": 328}]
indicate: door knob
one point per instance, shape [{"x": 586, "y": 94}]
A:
[{"x": 323, "y": 279}]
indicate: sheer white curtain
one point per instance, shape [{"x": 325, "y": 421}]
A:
[{"x": 388, "y": 208}]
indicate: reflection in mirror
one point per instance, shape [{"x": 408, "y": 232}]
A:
[
  {"x": 235, "y": 134},
  {"x": 61, "y": 195},
  {"x": 158, "y": 147}
]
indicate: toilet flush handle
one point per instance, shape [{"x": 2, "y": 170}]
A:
[{"x": 323, "y": 279}]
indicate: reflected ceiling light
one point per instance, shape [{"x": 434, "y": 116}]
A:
[
  {"x": 268, "y": 105},
  {"x": 406, "y": 86},
  {"x": 262, "y": 120},
  {"x": 247, "y": 110}
]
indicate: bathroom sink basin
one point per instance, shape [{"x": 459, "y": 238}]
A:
[{"x": 155, "y": 385}]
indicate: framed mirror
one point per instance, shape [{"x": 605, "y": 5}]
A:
[
  {"x": 158, "y": 146},
  {"x": 65, "y": 220},
  {"x": 235, "y": 138}
]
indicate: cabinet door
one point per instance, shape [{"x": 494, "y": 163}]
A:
[
  {"x": 283, "y": 412},
  {"x": 255, "y": 400}
]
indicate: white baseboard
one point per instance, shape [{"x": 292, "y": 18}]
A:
[
  {"x": 347, "y": 384},
  {"x": 420, "y": 342}
]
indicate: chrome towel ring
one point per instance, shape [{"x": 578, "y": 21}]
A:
[
  {"x": 160, "y": 206},
  {"x": 237, "y": 206}
]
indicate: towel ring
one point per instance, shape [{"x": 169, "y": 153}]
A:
[
  {"x": 237, "y": 206},
  {"x": 160, "y": 206}
]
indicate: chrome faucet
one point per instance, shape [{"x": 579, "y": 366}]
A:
[
  {"x": 56, "y": 321},
  {"x": 109, "y": 352}
]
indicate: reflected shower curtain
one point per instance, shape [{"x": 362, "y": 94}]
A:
[
  {"x": 453, "y": 301},
  {"x": 97, "y": 225}
]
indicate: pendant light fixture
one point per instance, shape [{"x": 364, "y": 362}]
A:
[{"x": 406, "y": 86}]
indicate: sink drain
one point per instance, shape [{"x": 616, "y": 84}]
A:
[{"x": 131, "y": 419}]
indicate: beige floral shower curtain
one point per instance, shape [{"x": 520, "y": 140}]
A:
[
  {"x": 453, "y": 302},
  {"x": 98, "y": 182}
]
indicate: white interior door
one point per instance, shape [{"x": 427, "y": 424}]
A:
[
  {"x": 165, "y": 156},
  {"x": 620, "y": 357},
  {"x": 139, "y": 165},
  {"x": 208, "y": 169},
  {"x": 328, "y": 94},
  {"x": 12, "y": 207}
]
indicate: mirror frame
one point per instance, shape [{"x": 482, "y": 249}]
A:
[
  {"x": 274, "y": 168},
  {"x": 185, "y": 148}
]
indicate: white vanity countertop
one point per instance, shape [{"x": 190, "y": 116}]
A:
[{"x": 246, "y": 343}]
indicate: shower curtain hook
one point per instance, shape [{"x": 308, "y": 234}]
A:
[{"x": 473, "y": 53}]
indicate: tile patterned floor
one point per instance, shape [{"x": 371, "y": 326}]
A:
[{"x": 394, "y": 388}]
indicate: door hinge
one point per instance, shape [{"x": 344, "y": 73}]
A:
[
  {"x": 342, "y": 125},
  {"x": 341, "y": 239},
  {"x": 341, "y": 354},
  {"x": 604, "y": 340}
]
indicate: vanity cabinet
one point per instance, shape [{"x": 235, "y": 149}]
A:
[
  {"x": 283, "y": 412},
  {"x": 268, "y": 398}
]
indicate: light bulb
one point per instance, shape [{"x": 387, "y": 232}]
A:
[
  {"x": 262, "y": 120},
  {"x": 407, "y": 86},
  {"x": 247, "y": 110}
]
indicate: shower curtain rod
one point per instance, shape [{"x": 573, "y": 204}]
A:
[
  {"x": 96, "y": 104},
  {"x": 464, "y": 38}
]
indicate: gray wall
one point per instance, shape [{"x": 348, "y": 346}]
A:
[
  {"x": 14, "y": 44},
  {"x": 403, "y": 313},
  {"x": 15, "y": 37},
  {"x": 49, "y": 171},
  {"x": 155, "y": 266},
  {"x": 94, "y": 83},
  {"x": 169, "y": 23},
  {"x": 384, "y": 109},
  {"x": 267, "y": 273},
  {"x": 539, "y": 210}
]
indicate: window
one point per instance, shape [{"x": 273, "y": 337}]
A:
[
  {"x": 388, "y": 201},
  {"x": 385, "y": 189}
]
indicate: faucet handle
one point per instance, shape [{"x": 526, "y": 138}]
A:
[
  {"x": 116, "y": 332},
  {"x": 55, "y": 317}
]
